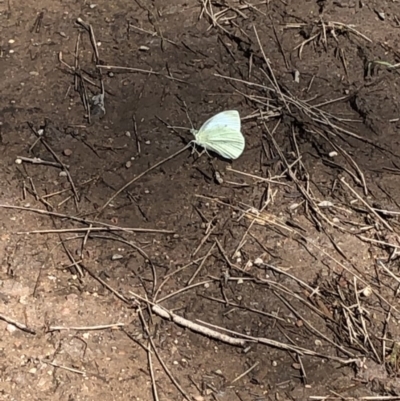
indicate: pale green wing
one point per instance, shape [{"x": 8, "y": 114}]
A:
[{"x": 225, "y": 141}]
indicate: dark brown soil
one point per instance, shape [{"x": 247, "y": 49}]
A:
[{"x": 299, "y": 259}]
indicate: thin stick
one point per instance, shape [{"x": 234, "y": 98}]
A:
[
  {"x": 85, "y": 328},
  {"x": 277, "y": 88},
  {"x": 131, "y": 69},
  {"x": 201, "y": 264},
  {"x": 64, "y": 216},
  {"x": 189, "y": 287},
  {"x": 245, "y": 373},
  {"x": 153, "y": 378},
  {"x": 277, "y": 344},
  {"x": 96, "y": 229},
  {"x": 384, "y": 222},
  {"x": 169, "y": 374},
  {"x": 166, "y": 314},
  {"x": 19, "y": 325},
  {"x": 79, "y": 372},
  {"x": 203, "y": 240},
  {"x": 54, "y": 154},
  {"x": 128, "y": 184},
  {"x": 38, "y": 160},
  {"x": 168, "y": 276}
]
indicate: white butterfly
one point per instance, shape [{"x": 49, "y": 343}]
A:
[{"x": 221, "y": 134}]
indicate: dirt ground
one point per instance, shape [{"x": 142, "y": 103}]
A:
[{"x": 282, "y": 263}]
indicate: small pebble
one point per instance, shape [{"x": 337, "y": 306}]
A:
[
  {"x": 63, "y": 174},
  {"x": 34, "y": 73},
  {"x": 144, "y": 48},
  {"x": 128, "y": 164},
  {"x": 367, "y": 291},
  {"x": 148, "y": 142},
  {"x": 258, "y": 262},
  {"x": 297, "y": 76},
  {"x": 18, "y": 161},
  {"x": 67, "y": 152},
  {"x": 11, "y": 41},
  {"x": 116, "y": 256},
  {"x": 11, "y": 328}
]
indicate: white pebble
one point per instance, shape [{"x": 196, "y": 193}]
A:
[
  {"x": 18, "y": 161},
  {"x": 63, "y": 174},
  {"x": 116, "y": 256},
  {"x": 11, "y": 328},
  {"x": 367, "y": 291},
  {"x": 11, "y": 41},
  {"x": 237, "y": 254},
  {"x": 258, "y": 262}
]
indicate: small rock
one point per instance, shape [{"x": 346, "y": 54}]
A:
[
  {"x": 11, "y": 328},
  {"x": 117, "y": 256},
  {"x": 67, "y": 152},
  {"x": 258, "y": 262}
]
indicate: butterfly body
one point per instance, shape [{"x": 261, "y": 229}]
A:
[{"x": 222, "y": 134}]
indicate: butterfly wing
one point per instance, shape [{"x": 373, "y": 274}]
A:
[
  {"x": 227, "y": 142},
  {"x": 229, "y": 118}
]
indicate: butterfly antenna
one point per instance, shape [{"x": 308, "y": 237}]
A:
[{"x": 187, "y": 114}]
